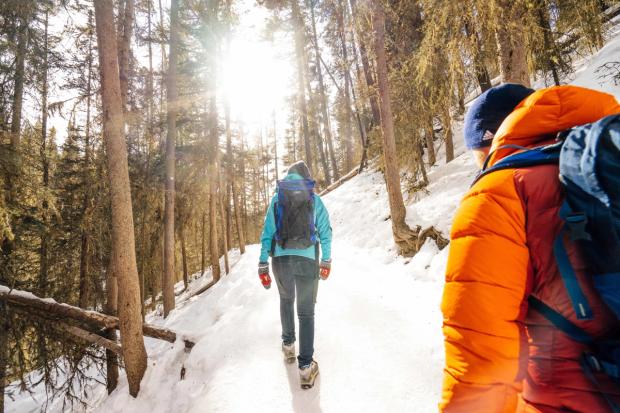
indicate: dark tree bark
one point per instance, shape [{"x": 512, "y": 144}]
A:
[
  {"x": 511, "y": 42},
  {"x": 123, "y": 251},
  {"x": 111, "y": 308},
  {"x": 184, "y": 257},
  {"x": 429, "y": 134},
  {"x": 18, "y": 82},
  {"x": 480, "y": 68},
  {"x": 221, "y": 199},
  {"x": 85, "y": 238},
  {"x": 370, "y": 82},
  {"x": 5, "y": 327},
  {"x": 403, "y": 235},
  {"x": 52, "y": 310},
  {"x": 203, "y": 249},
  {"x": 43, "y": 253},
  {"x": 124, "y": 48},
  {"x": 300, "y": 43},
  {"x": 348, "y": 145},
  {"x": 212, "y": 144},
  {"x": 551, "y": 54},
  {"x": 324, "y": 102},
  {"x": 173, "y": 107},
  {"x": 149, "y": 152},
  {"x": 446, "y": 121}
]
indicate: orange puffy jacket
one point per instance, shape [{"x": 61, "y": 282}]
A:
[{"x": 500, "y": 357}]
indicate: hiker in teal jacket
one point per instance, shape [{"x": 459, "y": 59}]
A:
[{"x": 298, "y": 270}]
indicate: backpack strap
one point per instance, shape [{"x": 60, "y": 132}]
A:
[
  {"x": 542, "y": 155},
  {"x": 590, "y": 364},
  {"x": 559, "y": 321},
  {"x": 577, "y": 298}
]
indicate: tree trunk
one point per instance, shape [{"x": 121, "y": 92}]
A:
[
  {"x": 213, "y": 236},
  {"x": 511, "y": 43},
  {"x": 203, "y": 249},
  {"x": 243, "y": 199},
  {"x": 238, "y": 218},
  {"x": 298, "y": 23},
  {"x": 212, "y": 130},
  {"x": 18, "y": 83},
  {"x": 402, "y": 233},
  {"x": 230, "y": 184},
  {"x": 51, "y": 310},
  {"x": 370, "y": 82},
  {"x": 480, "y": 68},
  {"x": 5, "y": 328},
  {"x": 446, "y": 121},
  {"x": 124, "y": 48},
  {"x": 224, "y": 233},
  {"x": 123, "y": 250},
  {"x": 111, "y": 308},
  {"x": 173, "y": 107},
  {"x": 88, "y": 337},
  {"x": 315, "y": 130},
  {"x": 85, "y": 238},
  {"x": 550, "y": 48},
  {"x": 275, "y": 146},
  {"x": 348, "y": 145},
  {"x": 358, "y": 117},
  {"x": 183, "y": 257},
  {"x": 229, "y": 153},
  {"x": 430, "y": 144},
  {"x": 324, "y": 102},
  {"x": 147, "y": 167},
  {"x": 43, "y": 254}
]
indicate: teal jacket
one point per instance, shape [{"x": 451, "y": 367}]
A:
[{"x": 321, "y": 221}]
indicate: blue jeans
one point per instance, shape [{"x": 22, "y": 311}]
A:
[{"x": 292, "y": 273}]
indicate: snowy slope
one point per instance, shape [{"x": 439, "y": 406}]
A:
[{"x": 378, "y": 323}]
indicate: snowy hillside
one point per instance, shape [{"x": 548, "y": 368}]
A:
[{"x": 378, "y": 323}]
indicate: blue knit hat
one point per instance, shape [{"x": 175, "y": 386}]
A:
[{"x": 488, "y": 112}]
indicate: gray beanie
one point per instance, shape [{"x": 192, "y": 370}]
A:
[{"x": 300, "y": 168}]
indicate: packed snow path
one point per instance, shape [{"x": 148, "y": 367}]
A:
[
  {"x": 378, "y": 325},
  {"x": 377, "y": 339}
]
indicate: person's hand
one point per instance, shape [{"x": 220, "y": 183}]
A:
[
  {"x": 263, "y": 274},
  {"x": 325, "y": 268}
]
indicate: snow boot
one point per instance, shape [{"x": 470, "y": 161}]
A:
[
  {"x": 307, "y": 375},
  {"x": 289, "y": 352}
]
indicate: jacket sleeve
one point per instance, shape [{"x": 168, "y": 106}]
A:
[
  {"x": 324, "y": 229},
  {"x": 484, "y": 300},
  {"x": 269, "y": 229}
]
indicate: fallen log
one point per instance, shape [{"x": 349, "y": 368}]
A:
[
  {"x": 89, "y": 337},
  {"x": 50, "y": 309},
  {"x": 341, "y": 181},
  {"x": 204, "y": 288}
]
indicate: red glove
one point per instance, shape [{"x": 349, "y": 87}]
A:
[
  {"x": 324, "y": 269},
  {"x": 263, "y": 274}
]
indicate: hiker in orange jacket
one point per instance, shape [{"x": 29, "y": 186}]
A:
[{"x": 500, "y": 355}]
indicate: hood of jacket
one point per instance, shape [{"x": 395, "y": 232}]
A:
[{"x": 540, "y": 116}]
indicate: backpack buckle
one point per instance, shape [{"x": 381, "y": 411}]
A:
[
  {"x": 576, "y": 226},
  {"x": 575, "y": 223}
]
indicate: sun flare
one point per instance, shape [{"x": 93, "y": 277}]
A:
[{"x": 256, "y": 78}]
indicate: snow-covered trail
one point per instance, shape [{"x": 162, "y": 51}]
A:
[
  {"x": 377, "y": 334},
  {"x": 378, "y": 330}
]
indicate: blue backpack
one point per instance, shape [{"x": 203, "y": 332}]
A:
[
  {"x": 294, "y": 214},
  {"x": 589, "y": 160}
]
